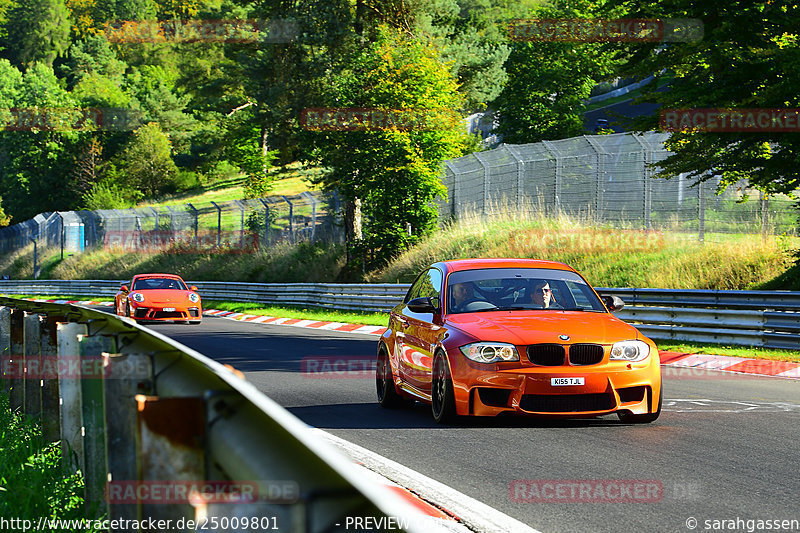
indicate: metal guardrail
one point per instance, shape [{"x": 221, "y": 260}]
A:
[
  {"x": 134, "y": 408},
  {"x": 746, "y": 318}
]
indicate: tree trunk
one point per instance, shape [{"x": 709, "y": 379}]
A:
[
  {"x": 352, "y": 219},
  {"x": 264, "y": 149}
]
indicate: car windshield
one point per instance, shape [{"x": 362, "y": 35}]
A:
[
  {"x": 519, "y": 289},
  {"x": 143, "y": 284}
]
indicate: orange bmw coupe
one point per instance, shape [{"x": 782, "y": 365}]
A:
[
  {"x": 485, "y": 337},
  {"x": 159, "y": 297}
]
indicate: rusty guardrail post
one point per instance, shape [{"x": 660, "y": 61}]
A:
[
  {"x": 69, "y": 389},
  {"x": 91, "y": 349},
  {"x": 172, "y": 439},
  {"x": 51, "y": 416},
  {"x": 32, "y": 342},
  {"x": 5, "y": 347},
  {"x": 16, "y": 395},
  {"x": 125, "y": 377}
]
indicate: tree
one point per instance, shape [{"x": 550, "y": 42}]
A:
[
  {"x": 548, "y": 82},
  {"x": 146, "y": 161},
  {"x": 36, "y": 161},
  {"x": 749, "y": 57},
  {"x": 40, "y": 31},
  {"x": 393, "y": 172}
]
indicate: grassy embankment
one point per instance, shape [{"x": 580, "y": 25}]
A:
[
  {"x": 33, "y": 480},
  {"x": 607, "y": 257}
]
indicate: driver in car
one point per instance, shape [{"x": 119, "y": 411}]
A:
[
  {"x": 542, "y": 296},
  {"x": 461, "y": 295}
]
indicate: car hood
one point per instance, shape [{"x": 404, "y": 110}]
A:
[
  {"x": 164, "y": 296},
  {"x": 532, "y": 327}
]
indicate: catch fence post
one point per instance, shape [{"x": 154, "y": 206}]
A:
[
  {"x": 196, "y": 216},
  {"x": 291, "y": 219},
  {"x": 219, "y": 223},
  {"x": 266, "y": 221}
]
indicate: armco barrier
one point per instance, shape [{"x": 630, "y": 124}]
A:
[
  {"x": 746, "y": 318},
  {"x": 135, "y": 409}
]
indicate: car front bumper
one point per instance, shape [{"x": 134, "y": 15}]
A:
[
  {"x": 159, "y": 314},
  {"x": 607, "y": 388}
]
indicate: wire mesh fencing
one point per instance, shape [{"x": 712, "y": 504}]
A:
[
  {"x": 607, "y": 179},
  {"x": 236, "y": 226},
  {"x": 600, "y": 178}
]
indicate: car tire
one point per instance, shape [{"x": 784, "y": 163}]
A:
[
  {"x": 443, "y": 400},
  {"x": 193, "y": 322},
  {"x": 384, "y": 382},
  {"x": 630, "y": 418},
  {"x": 127, "y": 310}
]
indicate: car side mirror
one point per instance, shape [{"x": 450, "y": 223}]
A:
[
  {"x": 124, "y": 288},
  {"x": 193, "y": 288},
  {"x": 613, "y": 303},
  {"x": 422, "y": 305}
]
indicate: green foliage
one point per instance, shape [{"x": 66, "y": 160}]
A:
[
  {"x": 748, "y": 58},
  {"x": 4, "y": 219},
  {"x": 92, "y": 55},
  {"x": 394, "y": 173},
  {"x": 548, "y": 82},
  {"x": 39, "y": 32},
  {"x": 147, "y": 163},
  {"x": 33, "y": 480},
  {"x": 109, "y": 195}
]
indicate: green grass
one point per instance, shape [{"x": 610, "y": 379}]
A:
[
  {"x": 290, "y": 180},
  {"x": 733, "y": 351},
  {"x": 69, "y": 297},
  {"x": 381, "y": 319},
  {"x": 348, "y": 317},
  {"x": 33, "y": 480}
]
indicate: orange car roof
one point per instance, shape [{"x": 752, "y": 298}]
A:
[
  {"x": 470, "y": 264},
  {"x": 175, "y": 276}
]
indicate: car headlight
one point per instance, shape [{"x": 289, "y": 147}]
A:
[
  {"x": 137, "y": 296},
  {"x": 629, "y": 351},
  {"x": 490, "y": 352},
  {"x": 193, "y": 297}
]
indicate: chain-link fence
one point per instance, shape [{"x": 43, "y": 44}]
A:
[
  {"x": 240, "y": 225},
  {"x": 600, "y": 178},
  {"x": 607, "y": 179}
]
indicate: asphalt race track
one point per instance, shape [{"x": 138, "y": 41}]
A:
[{"x": 725, "y": 446}]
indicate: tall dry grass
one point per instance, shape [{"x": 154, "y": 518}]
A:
[{"x": 606, "y": 256}]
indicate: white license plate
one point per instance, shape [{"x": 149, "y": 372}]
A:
[
  {"x": 168, "y": 309},
  {"x": 560, "y": 382}
]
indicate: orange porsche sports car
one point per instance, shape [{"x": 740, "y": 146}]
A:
[
  {"x": 161, "y": 297},
  {"x": 491, "y": 336}
]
